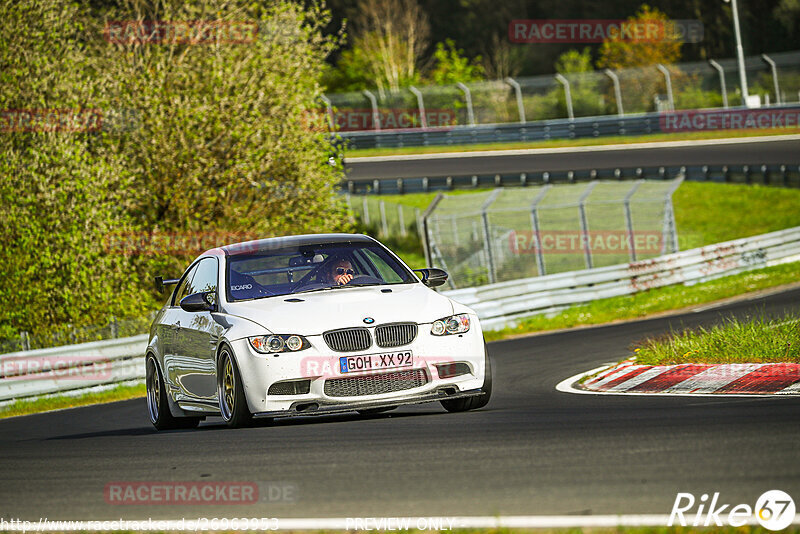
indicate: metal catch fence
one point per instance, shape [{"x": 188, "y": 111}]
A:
[{"x": 508, "y": 234}]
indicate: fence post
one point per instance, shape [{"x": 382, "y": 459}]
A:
[
  {"x": 536, "y": 230},
  {"x": 587, "y": 251},
  {"x": 25, "y": 340},
  {"x": 402, "y": 221},
  {"x": 114, "y": 328},
  {"x": 384, "y": 224},
  {"x": 567, "y": 95},
  {"x": 376, "y": 118},
  {"x": 487, "y": 236},
  {"x": 329, "y": 106},
  {"x": 426, "y": 240},
  {"x": 518, "y": 92},
  {"x": 629, "y": 218},
  {"x": 670, "y": 228},
  {"x": 617, "y": 91},
  {"x": 365, "y": 210},
  {"x": 774, "y": 69},
  {"x": 668, "y": 80},
  {"x": 468, "y": 98},
  {"x": 721, "y": 72},
  {"x": 421, "y": 105}
]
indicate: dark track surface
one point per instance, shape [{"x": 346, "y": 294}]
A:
[
  {"x": 745, "y": 153},
  {"x": 531, "y": 451}
]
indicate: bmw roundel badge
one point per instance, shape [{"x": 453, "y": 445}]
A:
[{"x": 369, "y": 320}]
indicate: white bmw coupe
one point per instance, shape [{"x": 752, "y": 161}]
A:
[{"x": 306, "y": 325}]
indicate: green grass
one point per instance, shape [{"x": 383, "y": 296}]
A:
[
  {"x": 707, "y": 213},
  {"x": 759, "y": 340},
  {"x": 556, "y": 143},
  {"x": 118, "y": 393},
  {"x": 654, "y": 301}
]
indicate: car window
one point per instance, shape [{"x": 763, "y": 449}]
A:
[
  {"x": 293, "y": 269},
  {"x": 183, "y": 287},
  {"x": 388, "y": 274},
  {"x": 205, "y": 278}
]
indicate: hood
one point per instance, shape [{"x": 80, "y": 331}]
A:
[{"x": 321, "y": 311}]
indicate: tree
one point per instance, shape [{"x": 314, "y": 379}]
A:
[
  {"x": 392, "y": 35},
  {"x": 451, "y": 66},
  {"x": 61, "y": 200},
  {"x": 226, "y": 142},
  {"x": 574, "y": 61},
  {"x": 618, "y": 52}
]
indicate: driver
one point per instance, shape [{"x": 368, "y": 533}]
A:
[{"x": 340, "y": 272}]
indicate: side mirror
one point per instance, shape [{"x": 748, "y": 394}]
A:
[
  {"x": 198, "y": 302},
  {"x": 432, "y": 277}
]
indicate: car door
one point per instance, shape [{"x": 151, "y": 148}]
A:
[
  {"x": 169, "y": 332},
  {"x": 197, "y": 338}
]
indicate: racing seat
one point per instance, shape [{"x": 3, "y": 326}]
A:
[{"x": 244, "y": 286}]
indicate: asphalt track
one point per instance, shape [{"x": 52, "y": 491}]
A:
[
  {"x": 746, "y": 152},
  {"x": 531, "y": 451}
]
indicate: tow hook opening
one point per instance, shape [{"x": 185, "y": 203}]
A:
[{"x": 308, "y": 407}]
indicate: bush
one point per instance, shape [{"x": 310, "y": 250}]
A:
[{"x": 226, "y": 141}]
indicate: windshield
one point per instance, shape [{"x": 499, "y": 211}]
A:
[{"x": 301, "y": 269}]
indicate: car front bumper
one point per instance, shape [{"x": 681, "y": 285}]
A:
[{"x": 319, "y": 364}]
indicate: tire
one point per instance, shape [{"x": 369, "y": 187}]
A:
[
  {"x": 478, "y": 401},
  {"x": 232, "y": 401},
  {"x": 373, "y": 411},
  {"x": 158, "y": 404}
]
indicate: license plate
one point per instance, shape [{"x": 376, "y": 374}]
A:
[{"x": 371, "y": 362}]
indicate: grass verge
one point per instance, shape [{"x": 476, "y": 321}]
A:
[
  {"x": 654, "y": 301},
  {"x": 759, "y": 340},
  {"x": 59, "y": 402},
  {"x": 557, "y": 143}
]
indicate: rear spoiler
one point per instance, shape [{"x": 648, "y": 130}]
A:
[{"x": 161, "y": 283}]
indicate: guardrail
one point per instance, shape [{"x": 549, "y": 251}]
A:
[
  {"x": 76, "y": 368},
  {"x": 641, "y": 124},
  {"x": 503, "y": 304},
  {"x": 782, "y": 175},
  {"x": 600, "y": 126},
  {"x": 71, "y": 368}
]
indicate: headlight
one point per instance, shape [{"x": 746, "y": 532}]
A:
[
  {"x": 278, "y": 343},
  {"x": 455, "y": 324}
]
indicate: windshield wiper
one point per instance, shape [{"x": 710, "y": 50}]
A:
[
  {"x": 325, "y": 288},
  {"x": 365, "y": 284}
]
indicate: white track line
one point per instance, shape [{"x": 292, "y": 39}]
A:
[{"x": 570, "y": 150}]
